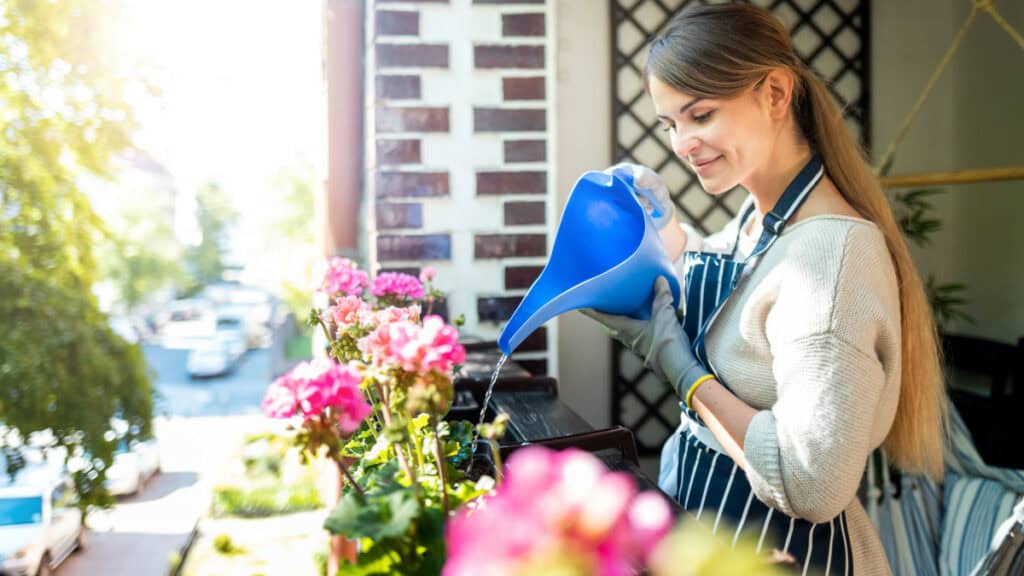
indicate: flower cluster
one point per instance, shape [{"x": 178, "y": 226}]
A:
[
  {"x": 317, "y": 389},
  {"x": 420, "y": 349},
  {"x": 558, "y": 512},
  {"x": 397, "y": 285},
  {"x": 340, "y": 276}
]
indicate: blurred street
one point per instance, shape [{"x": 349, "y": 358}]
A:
[{"x": 199, "y": 424}]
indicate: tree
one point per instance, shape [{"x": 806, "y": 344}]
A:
[
  {"x": 141, "y": 254},
  {"x": 62, "y": 369},
  {"x": 215, "y": 214}
]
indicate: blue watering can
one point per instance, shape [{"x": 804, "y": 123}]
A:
[{"x": 606, "y": 256}]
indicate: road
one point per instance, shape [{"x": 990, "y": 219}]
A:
[{"x": 200, "y": 424}]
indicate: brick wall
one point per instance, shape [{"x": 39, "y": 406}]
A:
[{"x": 458, "y": 146}]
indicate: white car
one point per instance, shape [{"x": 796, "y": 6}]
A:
[
  {"x": 209, "y": 358},
  {"x": 134, "y": 464},
  {"x": 39, "y": 522},
  {"x": 186, "y": 322},
  {"x": 231, "y": 332}
]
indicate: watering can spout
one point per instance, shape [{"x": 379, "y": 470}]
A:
[{"x": 607, "y": 255}]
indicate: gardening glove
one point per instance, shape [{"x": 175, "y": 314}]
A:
[
  {"x": 646, "y": 179},
  {"x": 660, "y": 341}
]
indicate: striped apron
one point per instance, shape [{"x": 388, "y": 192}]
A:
[{"x": 695, "y": 469}]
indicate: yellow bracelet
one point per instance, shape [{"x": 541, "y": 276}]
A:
[{"x": 694, "y": 386}]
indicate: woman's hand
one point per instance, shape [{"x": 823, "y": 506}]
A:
[
  {"x": 672, "y": 234},
  {"x": 660, "y": 341}
]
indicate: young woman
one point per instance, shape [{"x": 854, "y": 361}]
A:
[{"x": 807, "y": 340}]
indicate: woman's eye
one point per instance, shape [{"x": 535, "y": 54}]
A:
[{"x": 702, "y": 118}]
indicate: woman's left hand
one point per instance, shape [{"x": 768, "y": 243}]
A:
[{"x": 660, "y": 341}]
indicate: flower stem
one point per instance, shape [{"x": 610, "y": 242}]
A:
[
  {"x": 442, "y": 471},
  {"x": 496, "y": 456},
  {"x": 344, "y": 471}
]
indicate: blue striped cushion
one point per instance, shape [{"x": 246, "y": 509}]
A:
[{"x": 974, "y": 509}]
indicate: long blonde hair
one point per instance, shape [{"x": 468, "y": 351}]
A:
[{"x": 720, "y": 50}]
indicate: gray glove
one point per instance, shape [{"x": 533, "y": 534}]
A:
[{"x": 660, "y": 341}]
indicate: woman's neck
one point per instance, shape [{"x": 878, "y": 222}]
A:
[{"x": 768, "y": 183}]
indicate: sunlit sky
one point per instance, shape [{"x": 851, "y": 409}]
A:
[{"x": 242, "y": 95}]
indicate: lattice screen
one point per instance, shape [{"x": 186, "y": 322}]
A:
[{"x": 832, "y": 37}]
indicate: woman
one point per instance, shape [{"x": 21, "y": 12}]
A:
[{"x": 807, "y": 339}]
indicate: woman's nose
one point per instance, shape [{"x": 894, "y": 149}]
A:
[{"x": 686, "y": 146}]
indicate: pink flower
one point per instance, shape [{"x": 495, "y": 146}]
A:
[
  {"x": 280, "y": 400},
  {"x": 432, "y": 347},
  {"x": 557, "y": 509},
  {"x": 395, "y": 284},
  {"x": 312, "y": 388},
  {"x": 427, "y": 274},
  {"x": 340, "y": 276},
  {"x": 389, "y": 315},
  {"x": 348, "y": 310}
]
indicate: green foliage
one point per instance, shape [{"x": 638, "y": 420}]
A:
[
  {"x": 214, "y": 214},
  {"x": 141, "y": 254},
  {"x": 61, "y": 367},
  {"x": 915, "y": 214},
  {"x": 401, "y": 524},
  {"x": 264, "y": 500},
  {"x": 223, "y": 544}
]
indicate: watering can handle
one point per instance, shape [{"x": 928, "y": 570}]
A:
[{"x": 656, "y": 209}]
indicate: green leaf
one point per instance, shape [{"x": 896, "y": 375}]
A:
[{"x": 382, "y": 516}]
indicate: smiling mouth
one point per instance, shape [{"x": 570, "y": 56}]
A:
[{"x": 704, "y": 163}]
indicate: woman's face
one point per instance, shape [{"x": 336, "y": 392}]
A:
[{"x": 722, "y": 141}]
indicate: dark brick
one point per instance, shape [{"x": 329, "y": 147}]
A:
[
  {"x": 398, "y": 151},
  {"x": 406, "y": 247},
  {"x": 396, "y": 86},
  {"x": 519, "y": 277},
  {"x": 391, "y": 119},
  {"x": 508, "y": 56},
  {"x": 411, "y": 184},
  {"x": 395, "y": 23},
  {"x": 524, "y": 213},
  {"x": 509, "y": 120},
  {"x": 523, "y": 88},
  {"x": 400, "y": 270},
  {"x": 496, "y": 308},
  {"x": 399, "y": 216},
  {"x": 491, "y": 183},
  {"x": 509, "y": 245},
  {"x": 535, "y": 366},
  {"x": 522, "y": 24},
  {"x": 525, "y": 151},
  {"x": 537, "y": 341},
  {"x": 412, "y": 55}
]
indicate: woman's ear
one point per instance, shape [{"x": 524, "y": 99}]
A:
[{"x": 778, "y": 92}]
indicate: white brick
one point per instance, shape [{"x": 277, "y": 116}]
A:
[{"x": 447, "y": 151}]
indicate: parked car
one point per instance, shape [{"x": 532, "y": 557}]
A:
[
  {"x": 187, "y": 322},
  {"x": 39, "y": 522},
  {"x": 231, "y": 332},
  {"x": 209, "y": 358},
  {"x": 134, "y": 464}
]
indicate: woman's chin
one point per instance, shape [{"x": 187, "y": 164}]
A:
[{"x": 717, "y": 187}]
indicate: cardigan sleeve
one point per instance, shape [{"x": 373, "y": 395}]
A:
[{"x": 834, "y": 338}]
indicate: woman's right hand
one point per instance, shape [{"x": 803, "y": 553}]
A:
[
  {"x": 672, "y": 235},
  {"x": 646, "y": 179}
]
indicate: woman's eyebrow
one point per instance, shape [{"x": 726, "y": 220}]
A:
[{"x": 685, "y": 107}]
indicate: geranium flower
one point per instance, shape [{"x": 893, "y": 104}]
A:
[
  {"x": 340, "y": 276},
  {"x": 396, "y": 284},
  {"x": 557, "y": 511}
]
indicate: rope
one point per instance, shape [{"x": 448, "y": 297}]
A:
[
  {"x": 987, "y": 6},
  {"x": 976, "y": 5},
  {"x": 928, "y": 88}
]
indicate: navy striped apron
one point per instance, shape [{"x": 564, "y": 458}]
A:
[{"x": 707, "y": 481}]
